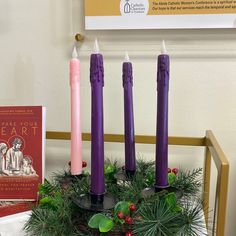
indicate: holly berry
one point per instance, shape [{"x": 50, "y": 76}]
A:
[
  {"x": 132, "y": 207},
  {"x": 84, "y": 164},
  {"x": 175, "y": 171},
  {"x": 169, "y": 170},
  {"x": 128, "y": 220},
  {"x": 120, "y": 215},
  {"x": 128, "y": 233}
]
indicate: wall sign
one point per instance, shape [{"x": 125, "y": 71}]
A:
[{"x": 159, "y": 14}]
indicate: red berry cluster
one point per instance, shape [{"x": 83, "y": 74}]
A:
[
  {"x": 174, "y": 170},
  {"x": 128, "y": 219},
  {"x": 84, "y": 164}
]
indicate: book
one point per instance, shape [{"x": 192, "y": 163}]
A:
[
  {"x": 11, "y": 208},
  {"x": 22, "y": 152}
]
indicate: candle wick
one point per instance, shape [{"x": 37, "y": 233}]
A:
[
  {"x": 74, "y": 53},
  {"x": 163, "y": 48},
  {"x": 127, "y": 57},
  {"x": 96, "y": 46}
]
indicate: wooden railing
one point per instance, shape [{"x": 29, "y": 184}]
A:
[{"x": 213, "y": 152}]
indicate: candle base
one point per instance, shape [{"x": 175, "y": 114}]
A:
[
  {"x": 125, "y": 175},
  {"x": 96, "y": 203},
  {"x": 161, "y": 188},
  {"x": 74, "y": 178},
  {"x": 148, "y": 192}
]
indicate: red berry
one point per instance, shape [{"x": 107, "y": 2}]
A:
[
  {"x": 169, "y": 170},
  {"x": 120, "y": 215},
  {"x": 128, "y": 220},
  {"x": 175, "y": 171},
  {"x": 129, "y": 233},
  {"x": 84, "y": 164},
  {"x": 69, "y": 163},
  {"x": 132, "y": 207}
]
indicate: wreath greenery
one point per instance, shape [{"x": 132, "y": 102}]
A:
[{"x": 163, "y": 214}]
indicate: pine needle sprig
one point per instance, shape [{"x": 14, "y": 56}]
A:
[
  {"x": 61, "y": 175},
  {"x": 189, "y": 182},
  {"x": 192, "y": 219},
  {"x": 42, "y": 223},
  {"x": 47, "y": 188},
  {"x": 80, "y": 186},
  {"x": 143, "y": 165},
  {"x": 132, "y": 190},
  {"x": 157, "y": 219}
]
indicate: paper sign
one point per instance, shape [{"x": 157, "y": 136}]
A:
[{"x": 159, "y": 14}]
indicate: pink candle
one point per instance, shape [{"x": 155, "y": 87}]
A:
[{"x": 76, "y": 139}]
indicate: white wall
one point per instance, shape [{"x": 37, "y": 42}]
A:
[{"x": 36, "y": 39}]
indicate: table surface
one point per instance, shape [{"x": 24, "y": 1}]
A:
[{"x": 13, "y": 225}]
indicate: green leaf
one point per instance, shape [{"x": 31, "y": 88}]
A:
[
  {"x": 171, "y": 178},
  {"x": 122, "y": 207},
  {"x": 106, "y": 225},
  {"x": 45, "y": 200},
  {"x": 109, "y": 169},
  {"x": 95, "y": 220},
  {"x": 48, "y": 203},
  {"x": 171, "y": 200},
  {"x": 177, "y": 209}
]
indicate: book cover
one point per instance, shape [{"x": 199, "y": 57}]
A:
[
  {"x": 22, "y": 152},
  {"x": 11, "y": 208}
]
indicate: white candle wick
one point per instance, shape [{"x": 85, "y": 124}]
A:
[
  {"x": 96, "y": 47},
  {"x": 163, "y": 48},
  {"x": 74, "y": 53},
  {"x": 127, "y": 57}
]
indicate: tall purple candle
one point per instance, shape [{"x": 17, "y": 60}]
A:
[
  {"x": 162, "y": 120},
  {"x": 130, "y": 160},
  {"x": 97, "y": 130}
]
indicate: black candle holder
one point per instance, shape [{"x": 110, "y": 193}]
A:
[
  {"x": 96, "y": 203},
  {"x": 125, "y": 175}
]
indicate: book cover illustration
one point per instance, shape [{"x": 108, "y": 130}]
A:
[{"x": 22, "y": 135}]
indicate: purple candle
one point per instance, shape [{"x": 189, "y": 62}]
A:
[
  {"x": 97, "y": 131},
  {"x": 162, "y": 120},
  {"x": 130, "y": 160}
]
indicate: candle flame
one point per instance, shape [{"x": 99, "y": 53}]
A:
[
  {"x": 127, "y": 57},
  {"x": 74, "y": 53},
  {"x": 163, "y": 48},
  {"x": 96, "y": 46}
]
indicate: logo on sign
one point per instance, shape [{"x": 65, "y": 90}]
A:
[{"x": 137, "y": 7}]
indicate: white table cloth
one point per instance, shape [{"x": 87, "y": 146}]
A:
[{"x": 13, "y": 225}]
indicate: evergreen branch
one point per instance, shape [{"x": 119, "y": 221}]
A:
[
  {"x": 192, "y": 219},
  {"x": 157, "y": 219},
  {"x": 189, "y": 182}
]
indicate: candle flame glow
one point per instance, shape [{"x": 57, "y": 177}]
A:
[
  {"x": 127, "y": 57},
  {"x": 74, "y": 53},
  {"x": 96, "y": 46},
  {"x": 163, "y": 48}
]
